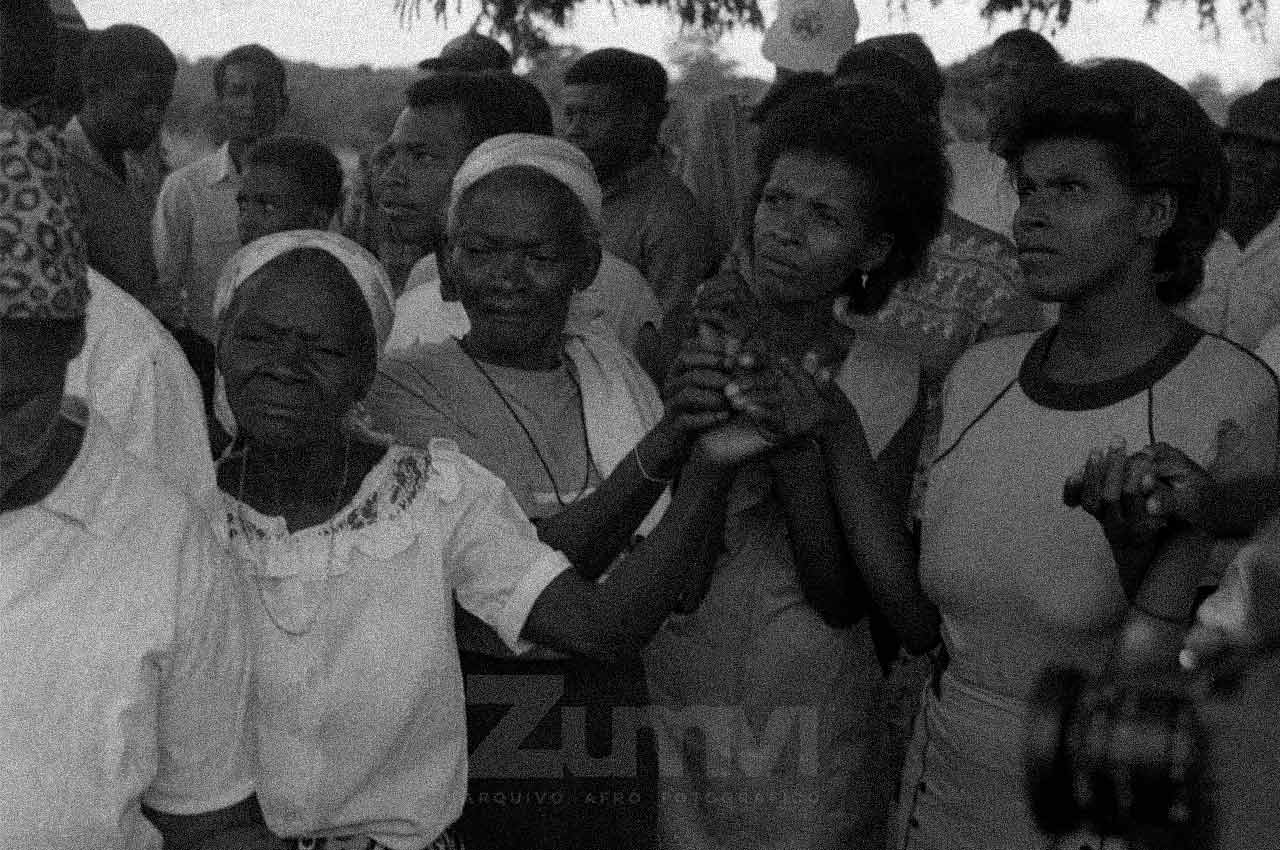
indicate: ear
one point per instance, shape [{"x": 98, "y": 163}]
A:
[
  {"x": 1159, "y": 210},
  {"x": 875, "y": 251}
]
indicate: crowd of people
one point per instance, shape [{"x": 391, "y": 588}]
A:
[{"x": 540, "y": 487}]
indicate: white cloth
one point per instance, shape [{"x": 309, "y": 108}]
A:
[
  {"x": 556, "y": 157},
  {"x": 619, "y": 405},
  {"x": 194, "y": 232},
  {"x": 981, "y": 189},
  {"x": 618, "y": 303},
  {"x": 363, "y": 266},
  {"x": 811, "y": 35},
  {"x": 1240, "y": 295},
  {"x": 359, "y": 712},
  {"x": 124, "y": 675},
  {"x": 133, "y": 373}
]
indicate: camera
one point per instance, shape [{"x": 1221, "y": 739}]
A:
[{"x": 1170, "y": 762}]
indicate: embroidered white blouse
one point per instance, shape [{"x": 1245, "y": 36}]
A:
[{"x": 358, "y": 702}]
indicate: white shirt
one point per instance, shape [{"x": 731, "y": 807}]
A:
[
  {"x": 194, "y": 232},
  {"x": 1240, "y": 296},
  {"x": 358, "y": 694},
  {"x": 124, "y": 676},
  {"x": 133, "y": 373},
  {"x": 617, "y": 304}
]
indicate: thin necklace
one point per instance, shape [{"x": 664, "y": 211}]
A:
[
  {"x": 255, "y": 548},
  {"x": 546, "y": 467}
]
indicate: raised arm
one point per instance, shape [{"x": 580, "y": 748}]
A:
[{"x": 594, "y": 530}]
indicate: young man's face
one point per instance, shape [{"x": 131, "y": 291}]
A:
[
  {"x": 129, "y": 111},
  {"x": 426, "y": 148},
  {"x": 603, "y": 125},
  {"x": 272, "y": 199},
  {"x": 252, "y": 102}
]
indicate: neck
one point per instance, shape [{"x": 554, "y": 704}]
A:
[
  {"x": 236, "y": 148},
  {"x": 614, "y": 173},
  {"x": 49, "y": 472},
  {"x": 1243, "y": 227},
  {"x": 111, "y": 152},
  {"x": 1113, "y": 328},
  {"x": 541, "y": 356},
  {"x": 311, "y": 469}
]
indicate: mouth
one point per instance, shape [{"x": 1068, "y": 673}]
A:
[
  {"x": 401, "y": 212},
  {"x": 777, "y": 265}
]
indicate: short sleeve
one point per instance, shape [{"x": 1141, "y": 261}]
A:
[
  {"x": 204, "y": 756},
  {"x": 498, "y": 566}
]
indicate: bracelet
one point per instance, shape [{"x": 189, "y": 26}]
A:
[{"x": 635, "y": 452}]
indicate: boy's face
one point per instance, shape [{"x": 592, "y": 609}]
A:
[
  {"x": 271, "y": 200},
  {"x": 131, "y": 109},
  {"x": 252, "y": 102}
]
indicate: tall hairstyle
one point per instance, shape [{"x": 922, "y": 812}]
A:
[
  {"x": 122, "y": 49},
  {"x": 1027, "y": 46},
  {"x": 494, "y": 102},
  {"x": 871, "y": 129},
  {"x": 309, "y": 160},
  {"x": 1160, "y": 138},
  {"x": 250, "y": 54}
]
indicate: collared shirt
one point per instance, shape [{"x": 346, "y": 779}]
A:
[
  {"x": 116, "y": 221},
  {"x": 194, "y": 232},
  {"x": 124, "y": 676},
  {"x": 358, "y": 687},
  {"x": 132, "y": 372},
  {"x": 653, "y": 222},
  {"x": 1240, "y": 296},
  {"x": 617, "y": 304}
]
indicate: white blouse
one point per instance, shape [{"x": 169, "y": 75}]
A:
[{"x": 358, "y": 701}]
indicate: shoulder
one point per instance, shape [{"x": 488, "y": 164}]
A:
[
  {"x": 993, "y": 361},
  {"x": 115, "y": 314},
  {"x": 1216, "y": 360},
  {"x": 425, "y": 364},
  {"x": 193, "y": 173}
]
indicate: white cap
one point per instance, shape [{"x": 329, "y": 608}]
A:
[{"x": 811, "y": 35}]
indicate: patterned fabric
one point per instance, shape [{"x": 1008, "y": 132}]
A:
[
  {"x": 42, "y": 254},
  {"x": 448, "y": 840}
]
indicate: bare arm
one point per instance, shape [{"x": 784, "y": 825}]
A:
[
  {"x": 593, "y": 531},
  {"x": 876, "y": 532},
  {"x": 618, "y": 617}
]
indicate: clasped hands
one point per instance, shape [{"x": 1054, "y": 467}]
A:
[{"x": 738, "y": 392}]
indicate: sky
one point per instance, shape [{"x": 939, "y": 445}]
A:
[{"x": 354, "y": 32}]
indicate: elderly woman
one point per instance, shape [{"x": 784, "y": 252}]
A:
[
  {"x": 1122, "y": 182},
  {"x": 124, "y": 678},
  {"x": 354, "y": 552},
  {"x": 576, "y": 430},
  {"x": 765, "y": 687}
]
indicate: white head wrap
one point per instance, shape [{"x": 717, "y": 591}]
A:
[
  {"x": 369, "y": 275},
  {"x": 364, "y": 267},
  {"x": 811, "y": 35},
  {"x": 552, "y": 156}
]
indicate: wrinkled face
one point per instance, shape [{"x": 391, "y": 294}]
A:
[
  {"x": 812, "y": 233},
  {"x": 1077, "y": 224},
  {"x": 602, "y": 124},
  {"x": 252, "y": 102},
  {"x": 297, "y": 350},
  {"x": 271, "y": 200},
  {"x": 32, "y": 373},
  {"x": 1255, "y": 177},
  {"x": 130, "y": 111},
  {"x": 427, "y": 147},
  {"x": 515, "y": 258}
]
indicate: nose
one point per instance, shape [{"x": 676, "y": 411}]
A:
[
  {"x": 1030, "y": 216},
  {"x": 785, "y": 226},
  {"x": 392, "y": 172}
]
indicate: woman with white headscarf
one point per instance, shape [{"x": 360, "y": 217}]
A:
[
  {"x": 354, "y": 551},
  {"x": 577, "y": 431}
]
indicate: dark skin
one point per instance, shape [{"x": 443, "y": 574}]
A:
[
  {"x": 520, "y": 208},
  {"x": 291, "y": 375}
]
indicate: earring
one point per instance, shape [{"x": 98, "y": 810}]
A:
[{"x": 862, "y": 281}]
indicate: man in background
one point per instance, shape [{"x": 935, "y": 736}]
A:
[
  {"x": 194, "y": 230},
  {"x": 614, "y": 104}
]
